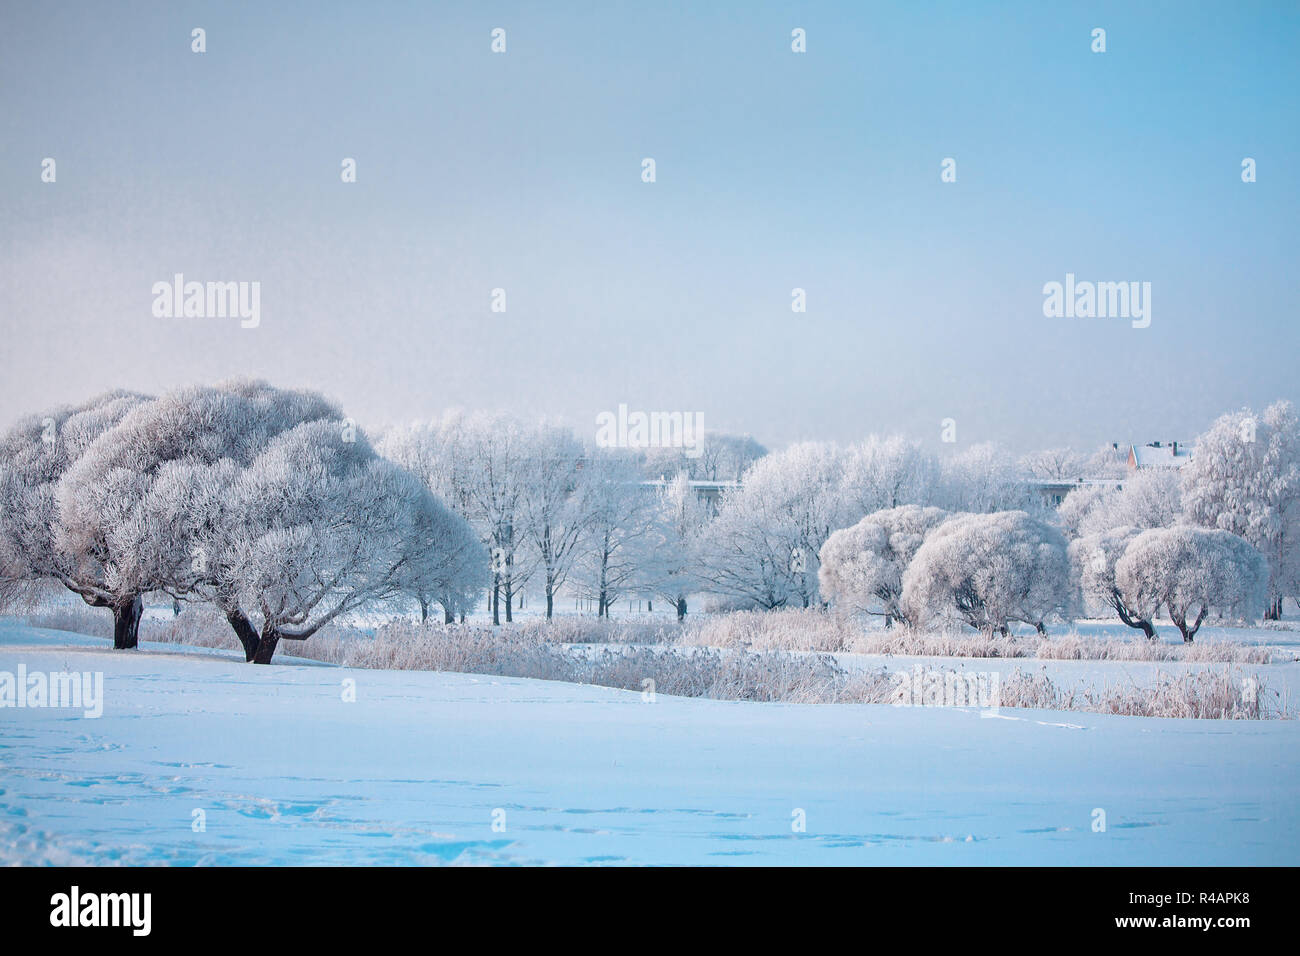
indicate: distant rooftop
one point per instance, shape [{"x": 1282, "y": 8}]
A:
[{"x": 1159, "y": 455}]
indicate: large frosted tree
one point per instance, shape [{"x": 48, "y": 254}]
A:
[
  {"x": 557, "y": 505},
  {"x": 620, "y": 513},
  {"x": 989, "y": 570},
  {"x": 34, "y": 456},
  {"x": 1244, "y": 477},
  {"x": 763, "y": 545},
  {"x": 862, "y": 566},
  {"x": 1092, "y": 562},
  {"x": 1191, "y": 571},
  {"x": 490, "y": 460},
  {"x": 677, "y": 525},
  {"x": 324, "y": 526},
  {"x": 135, "y": 510}
]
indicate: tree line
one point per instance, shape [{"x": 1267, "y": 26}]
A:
[{"x": 274, "y": 507}]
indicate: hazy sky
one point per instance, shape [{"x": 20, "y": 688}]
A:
[{"x": 775, "y": 170}]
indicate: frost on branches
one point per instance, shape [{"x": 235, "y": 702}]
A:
[{"x": 989, "y": 570}]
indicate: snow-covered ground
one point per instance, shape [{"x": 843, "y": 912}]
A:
[{"x": 421, "y": 765}]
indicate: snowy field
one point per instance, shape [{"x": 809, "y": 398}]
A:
[{"x": 419, "y": 767}]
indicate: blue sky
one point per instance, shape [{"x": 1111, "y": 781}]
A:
[{"x": 775, "y": 170}]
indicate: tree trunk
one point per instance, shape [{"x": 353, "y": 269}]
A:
[
  {"x": 266, "y": 646},
  {"x": 424, "y": 610},
  {"x": 244, "y": 631},
  {"x": 681, "y": 608},
  {"x": 550, "y": 596},
  {"x": 126, "y": 623},
  {"x": 1188, "y": 630},
  {"x": 603, "y": 609},
  {"x": 496, "y": 601},
  {"x": 1133, "y": 621},
  {"x": 448, "y": 615},
  {"x": 1038, "y": 625}
]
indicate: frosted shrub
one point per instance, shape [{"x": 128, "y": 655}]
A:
[
  {"x": 862, "y": 566},
  {"x": 1092, "y": 560},
  {"x": 1189, "y": 571},
  {"x": 989, "y": 570}
]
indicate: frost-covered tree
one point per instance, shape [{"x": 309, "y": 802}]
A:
[
  {"x": 720, "y": 457},
  {"x": 429, "y": 450},
  {"x": 1055, "y": 464},
  {"x": 1244, "y": 477},
  {"x": 135, "y": 510},
  {"x": 746, "y": 555},
  {"x": 1289, "y": 579},
  {"x": 451, "y": 568},
  {"x": 34, "y": 456},
  {"x": 882, "y": 473},
  {"x": 982, "y": 479},
  {"x": 989, "y": 570},
  {"x": 490, "y": 455},
  {"x": 1092, "y": 561},
  {"x": 479, "y": 465},
  {"x": 522, "y": 486},
  {"x": 1148, "y": 499},
  {"x": 726, "y": 457},
  {"x": 1108, "y": 461},
  {"x": 1190, "y": 571},
  {"x": 325, "y": 526},
  {"x": 557, "y": 503},
  {"x": 426, "y": 449},
  {"x": 448, "y": 565},
  {"x": 619, "y": 513},
  {"x": 862, "y": 566},
  {"x": 763, "y": 545},
  {"x": 1077, "y": 505},
  {"x": 677, "y": 524}
]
